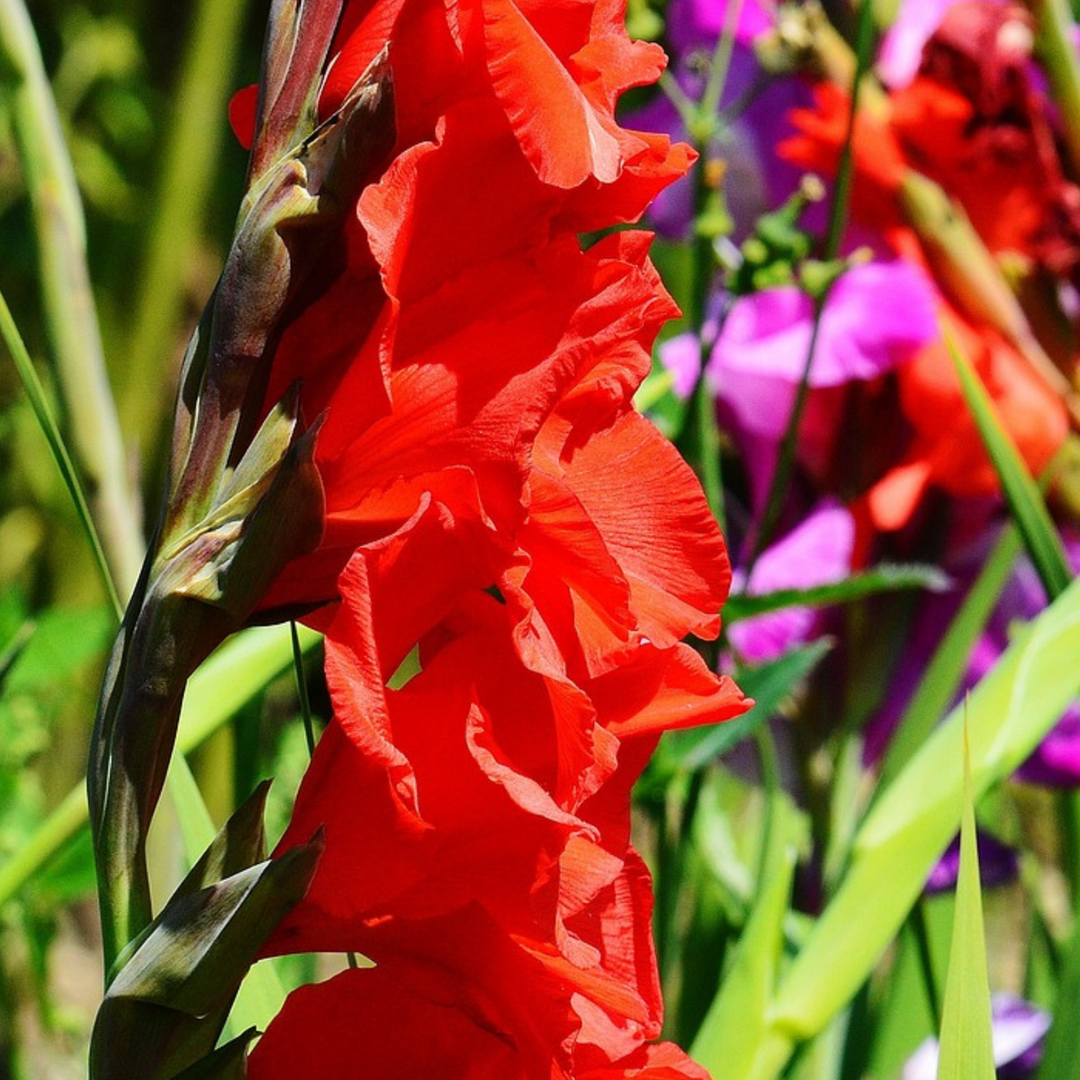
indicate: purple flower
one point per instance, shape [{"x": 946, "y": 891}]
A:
[
  {"x": 1018, "y": 1030},
  {"x": 817, "y": 552},
  {"x": 696, "y": 24},
  {"x": 681, "y": 356},
  {"x": 877, "y": 315},
  {"x": 1055, "y": 762},
  {"x": 755, "y": 107}
]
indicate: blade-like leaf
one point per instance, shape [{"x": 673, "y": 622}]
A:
[
  {"x": 1021, "y": 492},
  {"x": 1060, "y": 1059},
  {"x": 730, "y": 1035},
  {"x": 886, "y": 577},
  {"x": 967, "y": 1048},
  {"x": 9, "y": 332},
  {"x": 1009, "y": 713}
]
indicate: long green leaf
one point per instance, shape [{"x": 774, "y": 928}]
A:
[
  {"x": 733, "y": 1028},
  {"x": 1060, "y": 1060},
  {"x": 38, "y": 402},
  {"x": 1010, "y": 712},
  {"x": 967, "y": 1047},
  {"x": 1021, "y": 492},
  {"x": 884, "y": 578}
]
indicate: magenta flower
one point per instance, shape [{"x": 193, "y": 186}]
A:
[
  {"x": 696, "y": 24},
  {"x": 817, "y": 552},
  {"x": 877, "y": 315}
]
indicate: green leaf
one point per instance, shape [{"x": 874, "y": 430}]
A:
[
  {"x": 734, "y": 1026},
  {"x": 166, "y": 1007},
  {"x": 967, "y": 1049},
  {"x": 1009, "y": 713},
  {"x": 768, "y": 685},
  {"x": 1021, "y": 492},
  {"x": 38, "y": 401},
  {"x": 1060, "y": 1059},
  {"x": 885, "y": 577}
]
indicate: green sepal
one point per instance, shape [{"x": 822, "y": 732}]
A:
[
  {"x": 168, "y": 1004},
  {"x": 228, "y": 1062}
]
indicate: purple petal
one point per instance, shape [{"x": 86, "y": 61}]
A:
[
  {"x": 817, "y": 552},
  {"x": 1056, "y": 760},
  {"x": 696, "y": 24},
  {"x": 681, "y": 356},
  {"x": 877, "y": 315}
]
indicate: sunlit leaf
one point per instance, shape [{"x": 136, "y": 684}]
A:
[
  {"x": 886, "y": 577},
  {"x": 967, "y": 1048},
  {"x": 1021, "y": 492}
]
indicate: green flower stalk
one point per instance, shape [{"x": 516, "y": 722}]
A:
[{"x": 243, "y": 497}]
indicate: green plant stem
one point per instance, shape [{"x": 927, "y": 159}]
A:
[
  {"x": 67, "y": 298},
  {"x": 721, "y": 61},
  {"x": 1055, "y": 46},
  {"x": 180, "y": 199},
  {"x": 36, "y": 393},
  {"x": 834, "y": 235}
]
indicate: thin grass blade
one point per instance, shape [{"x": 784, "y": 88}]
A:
[{"x": 1021, "y": 492}]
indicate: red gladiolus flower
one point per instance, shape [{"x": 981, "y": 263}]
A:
[
  {"x": 946, "y": 450},
  {"x": 446, "y": 325},
  {"x": 496, "y": 509}
]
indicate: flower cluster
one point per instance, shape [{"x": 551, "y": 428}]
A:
[
  {"x": 510, "y": 558},
  {"x": 961, "y": 226}
]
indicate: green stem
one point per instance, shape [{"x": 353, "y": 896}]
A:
[
  {"x": 67, "y": 297},
  {"x": 36, "y": 393},
  {"x": 184, "y": 185},
  {"x": 834, "y": 236},
  {"x": 1058, "y": 53},
  {"x": 721, "y": 61}
]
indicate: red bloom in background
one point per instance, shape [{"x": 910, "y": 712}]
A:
[
  {"x": 984, "y": 138},
  {"x": 946, "y": 450}
]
